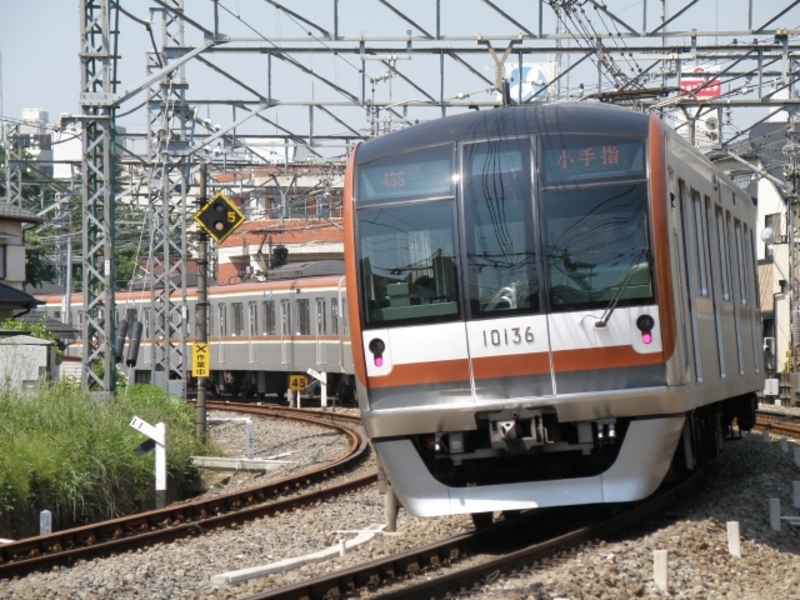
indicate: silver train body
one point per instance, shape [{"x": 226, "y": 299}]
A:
[
  {"x": 552, "y": 300},
  {"x": 260, "y": 333}
]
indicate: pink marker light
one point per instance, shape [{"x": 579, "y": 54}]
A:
[
  {"x": 647, "y": 338},
  {"x": 376, "y": 346}
]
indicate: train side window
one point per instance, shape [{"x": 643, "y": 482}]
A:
[
  {"x": 345, "y": 319},
  {"x": 303, "y": 317},
  {"x": 335, "y": 316},
  {"x": 700, "y": 241},
  {"x": 269, "y": 317},
  {"x": 286, "y": 318},
  {"x": 740, "y": 264},
  {"x": 724, "y": 267},
  {"x": 252, "y": 309},
  {"x": 750, "y": 250},
  {"x": 238, "y": 318},
  {"x": 222, "y": 314},
  {"x": 322, "y": 319},
  {"x": 730, "y": 255}
]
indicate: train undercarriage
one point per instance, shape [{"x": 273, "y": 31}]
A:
[
  {"x": 524, "y": 458},
  {"x": 275, "y": 384}
]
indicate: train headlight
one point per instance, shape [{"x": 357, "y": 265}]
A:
[
  {"x": 645, "y": 324},
  {"x": 376, "y": 346}
]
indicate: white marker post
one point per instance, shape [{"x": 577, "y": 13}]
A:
[
  {"x": 251, "y": 439},
  {"x": 159, "y": 435},
  {"x": 45, "y": 522},
  {"x": 323, "y": 379}
]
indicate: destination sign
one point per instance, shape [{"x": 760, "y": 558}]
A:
[
  {"x": 597, "y": 160},
  {"x": 425, "y": 173}
]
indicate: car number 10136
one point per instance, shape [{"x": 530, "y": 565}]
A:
[{"x": 513, "y": 336}]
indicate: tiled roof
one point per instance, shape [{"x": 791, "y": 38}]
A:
[
  {"x": 294, "y": 231},
  {"x": 10, "y": 212},
  {"x": 57, "y": 328},
  {"x": 11, "y": 297}
]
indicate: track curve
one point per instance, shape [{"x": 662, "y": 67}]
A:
[{"x": 193, "y": 517}]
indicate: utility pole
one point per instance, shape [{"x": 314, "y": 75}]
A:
[
  {"x": 790, "y": 170},
  {"x": 201, "y": 309}
]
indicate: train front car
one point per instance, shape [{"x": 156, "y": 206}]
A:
[{"x": 515, "y": 331}]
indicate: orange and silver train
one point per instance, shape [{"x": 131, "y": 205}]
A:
[
  {"x": 259, "y": 332},
  {"x": 549, "y": 305}
]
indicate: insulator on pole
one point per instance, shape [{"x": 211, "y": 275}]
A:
[{"x": 133, "y": 346}]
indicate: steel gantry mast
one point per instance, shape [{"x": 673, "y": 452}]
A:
[
  {"x": 13, "y": 164},
  {"x": 98, "y": 35},
  {"x": 168, "y": 144}
]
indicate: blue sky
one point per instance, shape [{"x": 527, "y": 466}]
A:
[{"x": 39, "y": 39}]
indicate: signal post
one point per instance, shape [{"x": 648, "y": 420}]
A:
[{"x": 218, "y": 218}]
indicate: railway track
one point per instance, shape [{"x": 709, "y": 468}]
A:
[
  {"x": 779, "y": 422},
  {"x": 189, "y": 518},
  {"x": 432, "y": 558},
  {"x": 418, "y": 567}
]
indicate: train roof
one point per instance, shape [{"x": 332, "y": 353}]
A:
[
  {"x": 582, "y": 117},
  {"x": 318, "y": 268}
]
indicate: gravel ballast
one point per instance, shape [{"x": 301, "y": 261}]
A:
[{"x": 737, "y": 488}]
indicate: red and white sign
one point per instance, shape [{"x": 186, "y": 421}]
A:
[{"x": 692, "y": 80}]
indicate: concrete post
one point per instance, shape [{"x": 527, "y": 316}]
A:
[
  {"x": 775, "y": 513},
  {"x": 734, "y": 541},
  {"x": 161, "y": 467},
  {"x": 661, "y": 570},
  {"x": 45, "y": 522},
  {"x": 390, "y": 509}
]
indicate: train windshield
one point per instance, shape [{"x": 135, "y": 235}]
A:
[
  {"x": 407, "y": 264},
  {"x": 594, "y": 206}
]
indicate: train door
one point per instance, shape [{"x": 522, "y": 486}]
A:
[
  {"x": 222, "y": 331},
  {"x": 507, "y": 333},
  {"x": 693, "y": 342},
  {"x": 409, "y": 266},
  {"x": 252, "y": 339},
  {"x": 593, "y": 201},
  {"x": 286, "y": 332},
  {"x": 715, "y": 259},
  {"x": 320, "y": 332}
]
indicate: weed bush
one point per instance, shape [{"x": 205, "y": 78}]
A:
[{"x": 63, "y": 452}]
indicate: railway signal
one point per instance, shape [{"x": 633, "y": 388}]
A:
[{"x": 219, "y": 218}]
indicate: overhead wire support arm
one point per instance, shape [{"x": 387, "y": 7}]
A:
[
  {"x": 673, "y": 17},
  {"x": 776, "y": 17},
  {"x": 510, "y": 19},
  {"x": 613, "y": 17},
  {"x": 406, "y": 19},
  {"x": 300, "y": 17}
]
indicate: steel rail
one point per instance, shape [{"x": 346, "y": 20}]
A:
[{"x": 193, "y": 517}]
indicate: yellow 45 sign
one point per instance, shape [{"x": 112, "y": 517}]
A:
[{"x": 297, "y": 383}]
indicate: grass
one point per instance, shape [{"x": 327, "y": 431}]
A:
[{"x": 63, "y": 452}]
